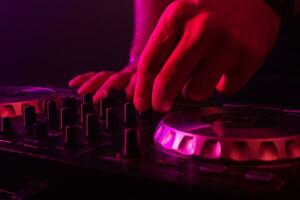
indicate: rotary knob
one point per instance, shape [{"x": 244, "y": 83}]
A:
[
  {"x": 87, "y": 98},
  {"x": 129, "y": 114},
  {"x": 40, "y": 131},
  {"x": 103, "y": 105},
  {"x": 66, "y": 117},
  {"x": 71, "y": 103},
  {"x": 92, "y": 126},
  {"x": 131, "y": 147},
  {"x": 114, "y": 97},
  {"x": 52, "y": 114},
  {"x": 85, "y": 108},
  {"x": 111, "y": 119},
  {"x": 71, "y": 136},
  {"x": 29, "y": 116}
]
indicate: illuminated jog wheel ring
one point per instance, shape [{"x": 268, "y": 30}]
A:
[
  {"x": 239, "y": 134},
  {"x": 13, "y": 99}
]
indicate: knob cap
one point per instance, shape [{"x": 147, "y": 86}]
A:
[
  {"x": 6, "y": 127},
  {"x": 131, "y": 147},
  {"x": 92, "y": 126},
  {"x": 70, "y": 137},
  {"x": 129, "y": 114},
  {"x": 29, "y": 116},
  {"x": 40, "y": 131}
]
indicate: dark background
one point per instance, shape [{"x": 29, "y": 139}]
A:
[{"x": 49, "y": 41}]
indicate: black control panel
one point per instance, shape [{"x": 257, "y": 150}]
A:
[{"x": 78, "y": 150}]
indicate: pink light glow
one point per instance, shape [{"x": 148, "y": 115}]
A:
[
  {"x": 268, "y": 151},
  {"x": 293, "y": 149},
  {"x": 168, "y": 139},
  {"x": 211, "y": 149},
  {"x": 187, "y": 145},
  {"x": 7, "y": 111}
]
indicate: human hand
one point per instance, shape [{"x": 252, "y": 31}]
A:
[
  {"x": 102, "y": 82},
  {"x": 200, "y": 45}
]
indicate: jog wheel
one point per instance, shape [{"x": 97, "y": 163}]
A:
[{"x": 239, "y": 134}]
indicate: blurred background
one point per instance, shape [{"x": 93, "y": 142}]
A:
[{"x": 49, "y": 41}]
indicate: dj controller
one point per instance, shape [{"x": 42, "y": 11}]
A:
[{"x": 57, "y": 145}]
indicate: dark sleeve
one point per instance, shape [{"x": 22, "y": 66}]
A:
[{"x": 297, "y": 7}]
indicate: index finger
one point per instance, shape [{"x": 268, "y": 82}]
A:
[{"x": 159, "y": 47}]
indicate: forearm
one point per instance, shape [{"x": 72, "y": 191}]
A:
[{"x": 147, "y": 14}]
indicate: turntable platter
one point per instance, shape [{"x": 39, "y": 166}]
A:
[
  {"x": 13, "y": 99},
  {"x": 239, "y": 134}
]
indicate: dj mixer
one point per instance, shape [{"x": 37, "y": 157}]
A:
[{"x": 57, "y": 145}]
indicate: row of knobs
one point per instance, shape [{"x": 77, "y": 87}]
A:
[
  {"x": 38, "y": 129},
  {"x": 65, "y": 119},
  {"x": 108, "y": 114}
]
